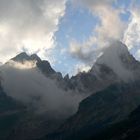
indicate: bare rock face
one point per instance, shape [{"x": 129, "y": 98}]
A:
[
  {"x": 115, "y": 65},
  {"x": 110, "y": 92}
]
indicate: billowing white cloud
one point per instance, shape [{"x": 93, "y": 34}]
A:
[
  {"x": 84, "y": 51},
  {"x": 81, "y": 68},
  {"x": 110, "y": 28},
  {"x": 29, "y": 25},
  {"x": 138, "y": 54},
  {"x": 23, "y": 66},
  {"x": 132, "y": 34},
  {"x": 28, "y": 85}
]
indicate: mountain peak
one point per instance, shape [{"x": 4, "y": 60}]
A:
[
  {"x": 118, "y": 59},
  {"x": 25, "y": 57},
  {"x": 35, "y": 57},
  {"x": 20, "y": 57},
  {"x": 115, "y": 50}
]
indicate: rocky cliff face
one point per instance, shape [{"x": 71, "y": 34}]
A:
[
  {"x": 32, "y": 83},
  {"x": 100, "y": 111},
  {"x": 115, "y": 76},
  {"x": 109, "y": 92}
]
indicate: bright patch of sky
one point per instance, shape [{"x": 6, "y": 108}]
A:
[{"x": 77, "y": 24}]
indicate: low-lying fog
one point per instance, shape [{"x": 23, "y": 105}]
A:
[{"x": 29, "y": 85}]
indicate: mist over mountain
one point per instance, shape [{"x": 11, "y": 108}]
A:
[
  {"x": 115, "y": 65},
  {"x": 32, "y": 81},
  {"x": 39, "y": 103},
  {"x": 69, "y": 69},
  {"x": 112, "y": 104},
  {"x": 118, "y": 58}
]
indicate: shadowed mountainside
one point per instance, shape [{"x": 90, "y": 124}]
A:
[{"x": 109, "y": 93}]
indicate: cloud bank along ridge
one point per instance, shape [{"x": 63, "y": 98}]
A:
[
  {"x": 28, "y": 85},
  {"x": 34, "y": 32},
  {"x": 111, "y": 28}
]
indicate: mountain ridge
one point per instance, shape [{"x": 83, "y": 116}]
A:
[{"x": 104, "y": 96}]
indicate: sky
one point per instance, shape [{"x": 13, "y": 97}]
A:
[{"x": 70, "y": 34}]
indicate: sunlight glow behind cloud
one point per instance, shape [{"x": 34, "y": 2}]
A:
[
  {"x": 29, "y": 26},
  {"x": 111, "y": 27}
]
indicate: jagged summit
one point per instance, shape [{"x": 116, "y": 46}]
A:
[
  {"x": 116, "y": 50},
  {"x": 21, "y": 57},
  {"x": 117, "y": 58},
  {"x": 43, "y": 65},
  {"x": 35, "y": 57},
  {"x": 25, "y": 57}
]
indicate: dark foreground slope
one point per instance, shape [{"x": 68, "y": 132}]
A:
[
  {"x": 129, "y": 129},
  {"x": 11, "y": 112},
  {"x": 100, "y": 111},
  {"x": 110, "y": 110}
]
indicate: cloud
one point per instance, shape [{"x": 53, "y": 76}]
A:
[
  {"x": 110, "y": 27},
  {"x": 132, "y": 34},
  {"x": 84, "y": 51},
  {"x": 81, "y": 68},
  {"x": 138, "y": 54},
  {"x": 32, "y": 88},
  {"x": 29, "y": 25},
  {"x": 117, "y": 57},
  {"x": 23, "y": 65}
]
